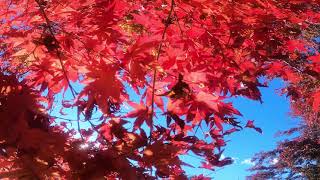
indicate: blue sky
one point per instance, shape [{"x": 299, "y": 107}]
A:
[{"x": 272, "y": 116}]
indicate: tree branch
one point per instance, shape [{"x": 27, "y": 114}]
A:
[
  {"x": 57, "y": 51},
  {"x": 167, "y": 23}
]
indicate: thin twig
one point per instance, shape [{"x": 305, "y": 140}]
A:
[
  {"x": 197, "y": 129},
  {"x": 58, "y": 53},
  {"x": 167, "y": 23},
  {"x": 181, "y": 31},
  {"x": 64, "y": 71}
]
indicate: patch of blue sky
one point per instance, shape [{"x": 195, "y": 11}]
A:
[
  {"x": 316, "y": 40},
  {"x": 272, "y": 116}
]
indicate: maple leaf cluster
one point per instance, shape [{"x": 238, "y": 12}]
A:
[
  {"x": 183, "y": 59},
  {"x": 31, "y": 148}
]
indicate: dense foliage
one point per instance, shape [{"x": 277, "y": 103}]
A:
[{"x": 183, "y": 58}]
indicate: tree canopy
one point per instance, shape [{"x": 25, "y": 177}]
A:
[{"x": 183, "y": 59}]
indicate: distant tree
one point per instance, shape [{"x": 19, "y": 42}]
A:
[
  {"x": 296, "y": 158},
  {"x": 304, "y": 93}
]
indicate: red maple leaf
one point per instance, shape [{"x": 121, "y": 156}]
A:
[{"x": 251, "y": 125}]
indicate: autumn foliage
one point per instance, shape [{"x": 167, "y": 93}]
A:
[{"x": 144, "y": 76}]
